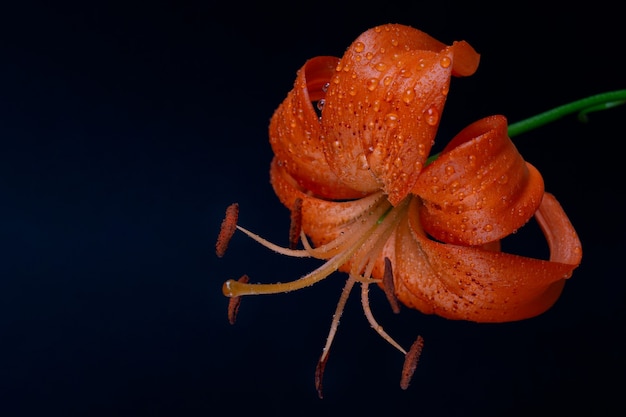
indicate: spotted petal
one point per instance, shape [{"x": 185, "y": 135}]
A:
[
  {"x": 480, "y": 189},
  {"x": 295, "y": 133},
  {"x": 384, "y": 104},
  {"x": 471, "y": 283}
]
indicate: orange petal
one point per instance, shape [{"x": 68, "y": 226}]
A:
[
  {"x": 322, "y": 220},
  {"x": 384, "y": 104},
  {"x": 480, "y": 189},
  {"x": 295, "y": 132},
  {"x": 471, "y": 283},
  {"x": 562, "y": 239}
]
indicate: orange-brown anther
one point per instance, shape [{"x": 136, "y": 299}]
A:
[
  {"x": 235, "y": 302},
  {"x": 227, "y": 230},
  {"x": 410, "y": 362},
  {"x": 389, "y": 287},
  {"x": 295, "y": 226}
]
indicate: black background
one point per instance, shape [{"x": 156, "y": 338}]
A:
[{"x": 126, "y": 130}]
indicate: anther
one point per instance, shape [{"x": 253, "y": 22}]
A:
[
  {"x": 410, "y": 362},
  {"x": 229, "y": 225},
  {"x": 319, "y": 373},
  {"x": 296, "y": 224},
  {"x": 389, "y": 288},
  {"x": 234, "y": 302}
]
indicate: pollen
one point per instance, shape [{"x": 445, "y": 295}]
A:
[{"x": 229, "y": 226}]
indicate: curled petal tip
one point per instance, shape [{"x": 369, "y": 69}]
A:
[{"x": 466, "y": 59}]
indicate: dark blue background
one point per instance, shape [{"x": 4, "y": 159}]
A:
[{"x": 127, "y": 129}]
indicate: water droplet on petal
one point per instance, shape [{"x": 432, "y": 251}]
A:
[
  {"x": 320, "y": 104},
  {"x": 487, "y": 228},
  {"x": 450, "y": 170},
  {"x": 359, "y": 46},
  {"x": 445, "y": 61},
  {"x": 372, "y": 83},
  {"x": 432, "y": 116},
  {"x": 381, "y": 66},
  {"x": 408, "y": 96},
  {"x": 391, "y": 120},
  {"x": 325, "y": 87}
]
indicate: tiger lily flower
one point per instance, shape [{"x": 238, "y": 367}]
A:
[{"x": 351, "y": 144}]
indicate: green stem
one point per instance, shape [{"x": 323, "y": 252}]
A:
[{"x": 583, "y": 106}]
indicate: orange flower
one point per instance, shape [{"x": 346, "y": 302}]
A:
[{"x": 356, "y": 177}]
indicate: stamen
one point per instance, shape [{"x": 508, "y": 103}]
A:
[
  {"x": 296, "y": 253},
  {"x": 227, "y": 230},
  {"x": 370, "y": 318},
  {"x": 319, "y": 374},
  {"x": 232, "y": 288},
  {"x": 334, "y": 325},
  {"x": 357, "y": 238},
  {"x": 296, "y": 224},
  {"x": 389, "y": 287},
  {"x": 234, "y": 302},
  {"x": 410, "y": 362}
]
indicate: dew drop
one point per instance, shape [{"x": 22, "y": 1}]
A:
[
  {"x": 391, "y": 120},
  {"x": 394, "y": 42},
  {"x": 320, "y": 104},
  {"x": 432, "y": 116},
  {"x": 487, "y": 228},
  {"x": 503, "y": 179},
  {"x": 360, "y": 46},
  {"x": 369, "y": 55},
  {"x": 325, "y": 87},
  {"x": 376, "y": 105},
  {"x": 381, "y": 66},
  {"x": 445, "y": 61},
  {"x": 372, "y": 83},
  {"x": 450, "y": 170},
  {"x": 387, "y": 80},
  {"x": 408, "y": 96}
]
